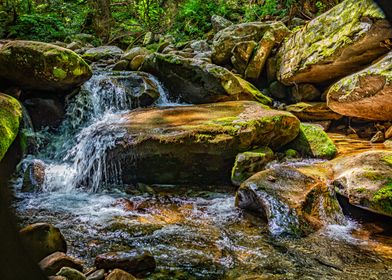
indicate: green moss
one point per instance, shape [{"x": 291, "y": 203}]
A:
[
  {"x": 382, "y": 199},
  {"x": 387, "y": 160},
  {"x": 59, "y": 73}
]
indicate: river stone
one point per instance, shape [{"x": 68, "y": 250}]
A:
[
  {"x": 57, "y": 278},
  {"x": 366, "y": 180},
  {"x": 366, "y": 94},
  {"x": 305, "y": 92},
  {"x": 102, "y": 52},
  {"x": 312, "y": 111},
  {"x": 97, "y": 275},
  {"x": 312, "y": 141},
  {"x": 195, "y": 81},
  {"x": 225, "y": 40},
  {"x": 71, "y": 274},
  {"x": 118, "y": 274},
  {"x": 121, "y": 65},
  {"x": 219, "y": 23},
  {"x": 45, "y": 112},
  {"x": 197, "y": 144},
  {"x": 132, "y": 53},
  {"x": 134, "y": 261},
  {"x": 241, "y": 54},
  {"x": 339, "y": 42},
  {"x": 10, "y": 118},
  {"x": 42, "y": 239},
  {"x": 42, "y": 66},
  {"x": 136, "y": 62},
  {"x": 248, "y": 163},
  {"x": 52, "y": 264},
  {"x": 293, "y": 201},
  {"x": 34, "y": 176}
]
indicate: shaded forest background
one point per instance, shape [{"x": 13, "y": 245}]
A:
[{"x": 124, "y": 22}]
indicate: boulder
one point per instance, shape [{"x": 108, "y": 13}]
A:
[
  {"x": 102, "y": 52},
  {"x": 312, "y": 141},
  {"x": 45, "y": 112},
  {"x": 219, "y": 23},
  {"x": 121, "y": 65},
  {"x": 312, "y": 111},
  {"x": 305, "y": 92},
  {"x": 195, "y": 81},
  {"x": 71, "y": 274},
  {"x": 278, "y": 90},
  {"x": 97, "y": 275},
  {"x": 52, "y": 264},
  {"x": 42, "y": 66},
  {"x": 241, "y": 54},
  {"x": 41, "y": 240},
  {"x": 200, "y": 46},
  {"x": 339, "y": 42},
  {"x": 118, "y": 274},
  {"x": 136, "y": 62},
  {"x": 197, "y": 144},
  {"x": 292, "y": 201},
  {"x": 134, "y": 261},
  {"x": 225, "y": 40},
  {"x": 366, "y": 94},
  {"x": 132, "y": 53},
  {"x": 34, "y": 176},
  {"x": 366, "y": 180},
  {"x": 248, "y": 163},
  {"x": 10, "y": 118}
]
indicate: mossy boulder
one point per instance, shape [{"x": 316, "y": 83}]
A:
[
  {"x": 292, "y": 201},
  {"x": 366, "y": 180},
  {"x": 248, "y": 163},
  {"x": 313, "y": 111},
  {"x": 42, "y": 66},
  {"x": 10, "y": 118},
  {"x": 366, "y": 94},
  {"x": 103, "y": 53},
  {"x": 335, "y": 44},
  {"x": 196, "y": 81},
  {"x": 312, "y": 141},
  {"x": 196, "y": 144}
]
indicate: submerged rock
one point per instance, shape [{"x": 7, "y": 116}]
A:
[
  {"x": 366, "y": 180},
  {"x": 52, "y": 264},
  {"x": 195, "y": 81},
  {"x": 42, "y": 239},
  {"x": 197, "y": 144},
  {"x": 42, "y": 66},
  {"x": 118, "y": 274},
  {"x": 339, "y": 42},
  {"x": 34, "y": 176},
  {"x": 366, "y": 94},
  {"x": 10, "y": 118}
]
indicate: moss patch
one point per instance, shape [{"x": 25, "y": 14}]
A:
[{"x": 382, "y": 199}]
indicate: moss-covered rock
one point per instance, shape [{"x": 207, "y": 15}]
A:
[
  {"x": 366, "y": 94},
  {"x": 312, "y": 141},
  {"x": 366, "y": 180},
  {"x": 102, "y": 52},
  {"x": 335, "y": 44},
  {"x": 248, "y": 163},
  {"x": 197, "y": 144},
  {"x": 241, "y": 54},
  {"x": 42, "y": 66},
  {"x": 293, "y": 201},
  {"x": 10, "y": 118},
  {"x": 196, "y": 81},
  {"x": 313, "y": 111}
]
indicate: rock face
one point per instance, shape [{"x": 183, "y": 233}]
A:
[
  {"x": 341, "y": 41},
  {"x": 293, "y": 201},
  {"x": 41, "y": 66},
  {"x": 52, "y": 264},
  {"x": 315, "y": 111},
  {"x": 42, "y": 240},
  {"x": 366, "y": 94},
  {"x": 132, "y": 261},
  {"x": 196, "y": 81},
  {"x": 197, "y": 144},
  {"x": 10, "y": 118},
  {"x": 366, "y": 180},
  {"x": 34, "y": 176},
  {"x": 225, "y": 40}
]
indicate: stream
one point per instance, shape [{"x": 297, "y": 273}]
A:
[{"x": 193, "y": 234}]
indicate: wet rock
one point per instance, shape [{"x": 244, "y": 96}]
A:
[
  {"x": 312, "y": 141},
  {"x": 195, "y": 81},
  {"x": 52, "y": 264},
  {"x": 197, "y": 144},
  {"x": 118, "y": 274},
  {"x": 102, "y": 53},
  {"x": 45, "y": 112},
  {"x": 121, "y": 65},
  {"x": 134, "y": 261},
  {"x": 97, "y": 275},
  {"x": 278, "y": 90},
  {"x": 225, "y": 40},
  {"x": 335, "y": 44},
  {"x": 315, "y": 111},
  {"x": 10, "y": 118},
  {"x": 42, "y": 239},
  {"x": 366, "y": 94},
  {"x": 71, "y": 274},
  {"x": 248, "y": 163},
  {"x": 241, "y": 54},
  {"x": 34, "y": 176},
  {"x": 305, "y": 92},
  {"x": 219, "y": 23},
  {"x": 366, "y": 180},
  {"x": 136, "y": 62},
  {"x": 378, "y": 137},
  {"x": 132, "y": 53},
  {"x": 293, "y": 201}
]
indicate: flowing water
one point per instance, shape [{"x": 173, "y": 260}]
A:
[{"x": 192, "y": 234}]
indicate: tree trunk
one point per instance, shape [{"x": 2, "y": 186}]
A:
[{"x": 101, "y": 18}]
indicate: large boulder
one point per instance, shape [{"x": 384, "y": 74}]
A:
[
  {"x": 42, "y": 66},
  {"x": 339, "y": 42},
  {"x": 366, "y": 180},
  {"x": 313, "y": 111},
  {"x": 366, "y": 94},
  {"x": 197, "y": 144},
  {"x": 10, "y": 118},
  {"x": 225, "y": 40},
  {"x": 103, "y": 53},
  {"x": 52, "y": 264},
  {"x": 196, "y": 81},
  {"x": 292, "y": 201}
]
